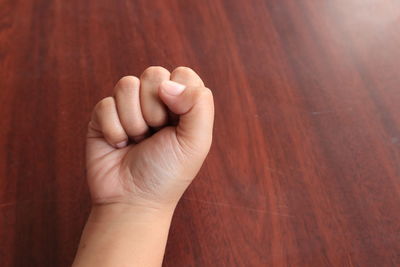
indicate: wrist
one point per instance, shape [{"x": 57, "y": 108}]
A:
[
  {"x": 121, "y": 233},
  {"x": 121, "y": 213}
]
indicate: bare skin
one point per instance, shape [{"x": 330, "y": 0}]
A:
[{"x": 139, "y": 163}]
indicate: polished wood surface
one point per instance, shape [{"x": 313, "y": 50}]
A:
[{"x": 305, "y": 165}]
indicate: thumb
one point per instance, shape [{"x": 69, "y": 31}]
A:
[{"x": 195, "y": 108}]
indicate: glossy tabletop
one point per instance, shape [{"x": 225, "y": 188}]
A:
[{"x": 305, "y": 164}]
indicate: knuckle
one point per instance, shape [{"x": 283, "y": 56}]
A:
[
  {"x": 186, "y": 75},
  {"x": 128, "y": 79},
  {"x": 154, "y": 71},
  {"x": 203, "y": 92},
  {"x": 92, "y": 125},
  {"x": 126, "y": 83},
  {"x": 184, "y": 71},
  {"x": 207, "y": 92},
  {"x": 104, "y": 104}
]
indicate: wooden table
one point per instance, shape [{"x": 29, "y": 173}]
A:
[{"x": 305, "y": 166}]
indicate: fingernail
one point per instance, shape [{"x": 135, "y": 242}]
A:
[
  {"x": 122, "y": 144},
  {"x": 172, "y": 88}
]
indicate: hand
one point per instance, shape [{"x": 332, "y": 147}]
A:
[{"x": 136, "y": 152}]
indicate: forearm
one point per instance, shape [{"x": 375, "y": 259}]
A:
[{"x": 123, "y": 235}]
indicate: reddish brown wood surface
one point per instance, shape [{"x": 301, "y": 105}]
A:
[{"x": 305, "y": 166}]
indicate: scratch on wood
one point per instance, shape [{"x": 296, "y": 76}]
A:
[{"x": 330, "y": 111}]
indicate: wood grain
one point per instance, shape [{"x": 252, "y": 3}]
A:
[{"x": 305, "y": 166}]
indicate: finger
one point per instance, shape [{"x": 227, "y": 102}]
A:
[
  {"x": 128, "y": 107},
  {"x": 154, "y": 111},
  {"x": 196, "y": 109},
  {"x": 186, "y": 76},
  {"x": 105, "y": 120}
]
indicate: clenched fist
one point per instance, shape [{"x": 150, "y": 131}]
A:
[{"x": 146, "y": 143}]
